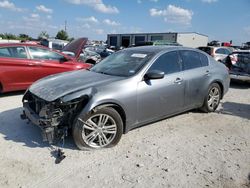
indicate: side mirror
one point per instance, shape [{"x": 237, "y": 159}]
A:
[
  {"x": 154, "y": 74},
  {"x": 63, "y": 59}
]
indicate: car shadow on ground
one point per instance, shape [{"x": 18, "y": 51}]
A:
[
  {"x": 239, "y": 84},
  {"x": 13, "y": 128},
  {"x": 9, "y": 94},
  {"x": 235, "y": 109}
]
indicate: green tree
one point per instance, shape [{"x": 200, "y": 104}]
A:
[
  {"x": 9, "y": 36},
  {"x": 24, "y": 37},
  {"x": 63, "y": 35},
  {"x": 42, "y": 35}
]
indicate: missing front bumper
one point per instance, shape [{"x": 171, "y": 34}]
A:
[{"x": 49, "y": 133}]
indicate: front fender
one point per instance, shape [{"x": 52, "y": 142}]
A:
[
  {"x": 92, "y": 104},
  {"x": 75, "y": 95}
]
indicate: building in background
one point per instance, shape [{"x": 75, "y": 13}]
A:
[{"x": 189, "y": 39}]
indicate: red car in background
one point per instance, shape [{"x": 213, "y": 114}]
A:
[{"x": 21, "y": 64}]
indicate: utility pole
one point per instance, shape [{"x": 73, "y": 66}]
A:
[{"x": 65, "y": 26}]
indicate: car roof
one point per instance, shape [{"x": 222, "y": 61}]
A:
[
  {"x": 18, "y": 44},
  {"x": 158, "y": 49}
]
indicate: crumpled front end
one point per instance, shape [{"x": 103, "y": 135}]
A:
[{"x": 54, "y": 118}]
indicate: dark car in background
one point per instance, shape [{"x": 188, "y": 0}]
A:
[
  {"x": 238, "y": 64},
  {"x": 128, "y": 89},
  {"x": 79, "y": 49},
  {"x": 21, "y": 64}
]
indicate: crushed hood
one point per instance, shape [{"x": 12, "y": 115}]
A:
[{"x": 54, "y": 87}]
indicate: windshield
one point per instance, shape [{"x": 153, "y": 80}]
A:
[{"x": 123, "y": 63}]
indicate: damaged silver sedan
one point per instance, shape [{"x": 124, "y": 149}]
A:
[{"x": 128, "y": 89}]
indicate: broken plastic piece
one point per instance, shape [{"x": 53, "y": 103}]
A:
[{"x": 59, "y": 156}]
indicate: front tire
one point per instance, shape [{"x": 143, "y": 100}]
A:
[
  {"x": 212, "y": 100},
  {"x": 100, "y": 129}
]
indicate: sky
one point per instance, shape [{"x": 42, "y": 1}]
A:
[{"x": 222, "y": 20}]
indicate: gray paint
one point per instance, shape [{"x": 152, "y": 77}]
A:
[{"x": 142, "y": 101}]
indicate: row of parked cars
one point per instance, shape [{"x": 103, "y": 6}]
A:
[
  {"x": 237, "y": 61},
  {"x": 23, "y": 63}
]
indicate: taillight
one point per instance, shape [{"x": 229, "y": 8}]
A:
[
  {"x": 212, "y": 53},
  {"x": 233, "y": 58}
]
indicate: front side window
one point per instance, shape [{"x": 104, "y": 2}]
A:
[
  {"x": 168, "y": 63},
  {"x": 13, "y": 52},
  {"x": 190, "y": 59},
  {"x": 44, "y": 54}
]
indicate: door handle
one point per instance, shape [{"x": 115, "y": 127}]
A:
[
  {"x": 207, "y": 73},
  {"x": 178, "y": 81}
]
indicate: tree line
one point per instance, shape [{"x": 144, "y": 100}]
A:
[{"x": 62, "y": 35}]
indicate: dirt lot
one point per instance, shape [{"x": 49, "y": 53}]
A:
[{"x": 189, "y": 150}]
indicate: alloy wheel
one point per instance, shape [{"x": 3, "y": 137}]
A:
[
  {"x": 99, "y": 130},
  {"x": 213, "y": 98}
]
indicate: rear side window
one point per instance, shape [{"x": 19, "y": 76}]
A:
[
  {"x": 227, "y": 52},
  {"x": 190, "y": 59},
  {"x": 220, "y": 51},
  {"x": 44, "y": 54},
  {"x": 168, "y": 63},
  {"x": 13, "y": 52},
  {"x": 204, "y": 59},
  {"x": 4, "y": 52}
]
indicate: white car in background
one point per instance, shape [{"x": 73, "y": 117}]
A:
[{"x": 218, "y": 53}]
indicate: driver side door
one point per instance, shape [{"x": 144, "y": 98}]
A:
[
  {"x": 45, "y": 62},
  {"x": 158, "y": 98}
]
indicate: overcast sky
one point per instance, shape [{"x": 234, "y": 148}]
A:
[{"x": 222, "y": 20}]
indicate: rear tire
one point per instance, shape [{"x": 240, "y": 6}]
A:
[
  {"x": 212, "y": 99},
  {"x": 96, "y": 130}
]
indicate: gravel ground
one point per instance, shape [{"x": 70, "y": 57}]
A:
[{"x": 193, "y": 149}]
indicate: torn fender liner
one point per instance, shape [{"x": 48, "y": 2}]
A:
[{"x": 75, "y": 81}]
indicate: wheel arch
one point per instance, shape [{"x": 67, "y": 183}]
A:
[
  {"x": 221, "y": 87},
  {"x": 91, "y": 61},
  {"x": 117, "y": 108}
]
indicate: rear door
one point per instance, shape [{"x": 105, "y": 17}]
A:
[
  {"x": 196, "y": 76},
  {"x": 15, "y": 68},
  {"x": 158, "y": 98}
]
